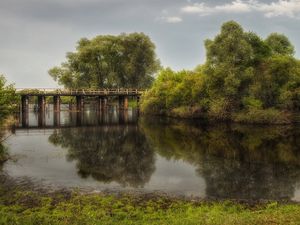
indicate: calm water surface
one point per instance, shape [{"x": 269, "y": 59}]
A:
[{"x": 121, "y": 151}]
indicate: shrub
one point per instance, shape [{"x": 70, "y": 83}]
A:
[{"x": 262, "y": 116}]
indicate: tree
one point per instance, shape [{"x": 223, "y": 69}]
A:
[
  {"x": 127, "y": 60},
  {"x": 280, "y": 44},
  {"x": 7, "y": 97},
  {"x": 229, "y": 67}
]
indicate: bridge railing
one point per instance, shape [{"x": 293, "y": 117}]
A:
[{"x": 54, "y": 91}]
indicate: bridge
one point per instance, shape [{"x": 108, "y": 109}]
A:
[{"x": 101, "y": 95}]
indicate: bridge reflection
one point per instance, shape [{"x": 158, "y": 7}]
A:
[{"x": 88, "y": 117}]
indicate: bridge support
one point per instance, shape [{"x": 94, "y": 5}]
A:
[
  {"x": 25, "y": 102},
  {"x": 79, "y": 103},
  {"x": 56, "y": 103},
  {"x": 41, "y": 103},
  {"x": 137, "y": 101},
  {"x": 104, "y": 103},
  {"x": 41, "y": 119},
  {"x": 123, "y": 102},
  {"x": 100, "y": 103},
  {"x": 56, "y": 119}
]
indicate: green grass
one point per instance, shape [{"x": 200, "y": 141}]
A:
[{"x": 31, "y": 208}]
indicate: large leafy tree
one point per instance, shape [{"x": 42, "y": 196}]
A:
[{"x": 127, "y": 60}]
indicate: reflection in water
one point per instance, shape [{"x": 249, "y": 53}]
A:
[
  {"x": 234, "y": 161},
  {"x": 109, "y": 153}
]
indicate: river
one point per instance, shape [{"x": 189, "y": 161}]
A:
[{"x": 122, "y": 151}]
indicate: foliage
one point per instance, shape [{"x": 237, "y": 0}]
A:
[
  {"x": 174, "y": 89},
  {"x": 31, "y": 208},
  {"x": 262, "y": 116},
  {"x": 127, "y": 60},
  {"x": 242, "y": 73},
  {"x": 7, "y": 98}
]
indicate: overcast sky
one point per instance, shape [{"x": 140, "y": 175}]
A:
[{"x": 36, "y": 34}]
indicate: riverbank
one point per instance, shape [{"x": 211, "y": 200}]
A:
[
  {"x": 74, "y": 208},
  {"x": 4, "y": 125},
  {"x": 253, "y": 116}
]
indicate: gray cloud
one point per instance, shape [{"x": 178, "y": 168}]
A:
[
  {"x": 289, "y": 8},
  {"x": 35, "y": 35}
]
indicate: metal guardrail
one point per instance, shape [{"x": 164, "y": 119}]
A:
[{"x": 52, "y": 91}]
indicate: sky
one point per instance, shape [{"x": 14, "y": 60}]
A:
[{"x": 35, "y": 35}]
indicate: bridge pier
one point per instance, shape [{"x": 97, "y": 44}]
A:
[
  {"x": 104, "y": 102},
  {"x": 41, "y": 119},
  {"x": 137, "y": 101},
  {"x": 56, "y": 103},
  {"x": 25, "y": 102},
  {"x": 123, "y": 102},
  {"x": 101, "y": 103},
  {"x": 79, "y": 103},
  {"x": 41, "y": 103},
  {"x": 56, "y": 118}
]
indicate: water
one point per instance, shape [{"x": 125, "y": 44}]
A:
[{"x": 122, "y": 151}]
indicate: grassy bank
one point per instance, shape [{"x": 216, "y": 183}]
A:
[{"x": 61, "y": 208}]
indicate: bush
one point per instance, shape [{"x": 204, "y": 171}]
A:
[{"x": 263, "y": 116}]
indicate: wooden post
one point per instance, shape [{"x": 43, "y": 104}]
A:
[
  {"x": 25, "y": 102},
  {"x": 56, "y": 102},
  {"x": 104, "y": 102},
  {"x": 125, "y": 102},
  {"x": 56, "y": 118},
  {"x": 41, "y": 118},
  {"x": 138, "y": 100},
  {"x": 79, "y": 103},
  {"x": 99, "y": 105},
  {"x": 121, "y": 102},
  {"x": 41, "y": 103}
]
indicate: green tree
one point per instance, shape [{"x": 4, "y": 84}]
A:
[
  {"x": 280, "y": 44},
  {"x": 127, "y": 60},
  {"x": 7, "y": 97}
]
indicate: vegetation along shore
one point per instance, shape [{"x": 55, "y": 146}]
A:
[{"x": 245, "y": 79}]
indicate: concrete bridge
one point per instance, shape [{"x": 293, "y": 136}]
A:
[{"x": 101, "y": 95}]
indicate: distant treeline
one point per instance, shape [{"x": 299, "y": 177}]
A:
[{"x": 245, "y": 78}]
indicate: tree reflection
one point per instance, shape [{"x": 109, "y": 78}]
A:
[
  {"x": 109, "y": 153},
  {"x": 236, "y": 161}
]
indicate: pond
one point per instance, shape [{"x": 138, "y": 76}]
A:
[{"x": 118, "y": 151}]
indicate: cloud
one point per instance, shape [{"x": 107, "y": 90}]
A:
[
  {"x": 289, "y": 8},
  {"x": 171, "y": 19}
]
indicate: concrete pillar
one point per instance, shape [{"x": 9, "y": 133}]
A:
[
  {"x": 56, "y": 103},
  {"x": 41, "y": 103},
  {"x": 25, "y": 102},
  {"x": 79, "y": 103}
]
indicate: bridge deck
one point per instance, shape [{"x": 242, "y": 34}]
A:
[{"x": 79, "y": 92}]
